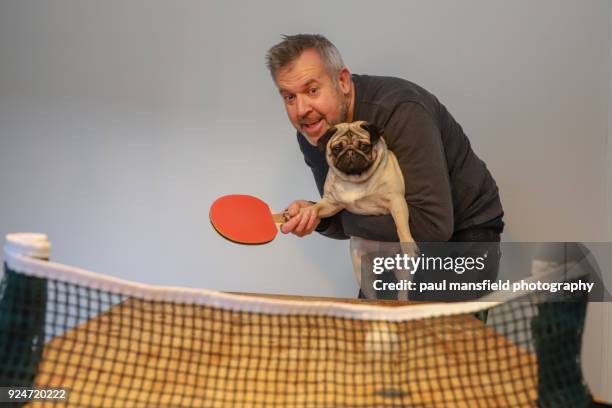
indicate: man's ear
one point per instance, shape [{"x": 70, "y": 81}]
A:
[
  {"x": 344, "y": 80},
  {"x": 322, "y": 142},
  {"x": 374, "y": 131}
]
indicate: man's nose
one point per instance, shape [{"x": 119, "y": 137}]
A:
[{"x": 303, "y": 106}]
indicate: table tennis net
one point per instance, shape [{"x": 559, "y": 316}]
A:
[{"x": 114, "y": 343}]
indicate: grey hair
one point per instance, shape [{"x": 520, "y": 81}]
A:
[{"x": 292, "y": 46}]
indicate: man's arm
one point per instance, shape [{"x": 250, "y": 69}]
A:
[{"x": 412, "y": 135}]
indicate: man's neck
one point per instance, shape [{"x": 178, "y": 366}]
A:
[{"x": 351, "y": 104}]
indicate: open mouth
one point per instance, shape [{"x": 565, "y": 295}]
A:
[{"x": 312, "y": 127}]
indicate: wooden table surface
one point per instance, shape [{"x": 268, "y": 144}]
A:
[{"x": 144, "y": 354}]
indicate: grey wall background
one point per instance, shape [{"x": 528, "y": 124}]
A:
[
  {"x": 120, "y": 122},
  {"x": 607, "y": 309}
]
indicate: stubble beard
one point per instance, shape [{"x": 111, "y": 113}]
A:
[
  {"x": 343, "y": 112},
  {"x": 342, "y": 117},
  {"x": 343, "y": 108}
]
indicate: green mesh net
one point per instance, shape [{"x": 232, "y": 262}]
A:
[{"x": 109, "y": 347}]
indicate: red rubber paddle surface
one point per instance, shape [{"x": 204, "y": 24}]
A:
[{"x": 243, "y": 219}]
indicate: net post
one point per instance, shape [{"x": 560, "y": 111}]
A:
[{"x": 23, "y": 304}]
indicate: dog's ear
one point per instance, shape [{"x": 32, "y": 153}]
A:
[
  {"x": 374, "y": 131},
  {"x": 322, "y": 142}
]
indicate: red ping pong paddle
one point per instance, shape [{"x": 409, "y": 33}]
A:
[{"x": 245, "y": 219}]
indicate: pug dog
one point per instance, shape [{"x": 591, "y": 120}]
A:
[{"x": 364, "y": 176}]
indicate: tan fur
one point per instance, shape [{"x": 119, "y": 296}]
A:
[{"x": 379, "y": 190}]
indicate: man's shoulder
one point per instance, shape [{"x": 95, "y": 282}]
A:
[
  {"x": 383, "y": 88},
  {"x": 377, "y": 96}
]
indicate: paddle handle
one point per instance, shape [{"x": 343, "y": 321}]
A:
[{"x": 280, "y": 218}]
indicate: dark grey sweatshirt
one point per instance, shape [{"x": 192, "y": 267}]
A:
[{"x": 448, "y": 188}]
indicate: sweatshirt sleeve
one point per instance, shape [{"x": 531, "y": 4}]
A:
[{"x": 412, "y": 135}]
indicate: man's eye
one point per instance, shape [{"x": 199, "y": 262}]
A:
[
  {"x": 289, "y": 98},
  {"x": 313, "y": 91}
]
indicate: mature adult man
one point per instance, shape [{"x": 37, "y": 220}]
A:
[{"x": 450, "y": 193}]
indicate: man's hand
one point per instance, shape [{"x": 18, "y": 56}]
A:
[{"x": 302, "y": 222}]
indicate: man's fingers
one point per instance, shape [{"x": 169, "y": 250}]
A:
[
  {"x": 294, "y": 207},
  {"x": 302, "y": 223},
  {"x": 289, "y": 226},
  {"x": 302, "y": 220},
  {"x": 307, "y": 221},
  {"x": 312, "y": 222}
]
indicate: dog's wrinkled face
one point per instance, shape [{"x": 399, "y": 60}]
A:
[{"x": 350, "y": 146}]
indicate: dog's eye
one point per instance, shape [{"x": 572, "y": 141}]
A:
[
  {"x": 337, "y": 149},
  {"x": 365, "y": 147}
]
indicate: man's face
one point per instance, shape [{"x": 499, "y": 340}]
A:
[{"x": 312, "y": 101}]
